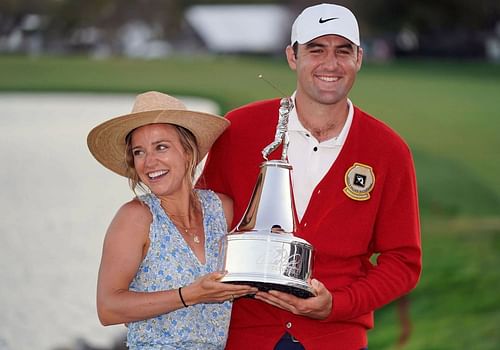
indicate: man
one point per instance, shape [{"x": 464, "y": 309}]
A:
[{"x": 355, "y": 193}]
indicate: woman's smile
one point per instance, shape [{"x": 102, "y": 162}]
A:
[{"x": 155, "y": 175}]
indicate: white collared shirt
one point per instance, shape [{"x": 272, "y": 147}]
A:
[{"x": 311, "y": 159}]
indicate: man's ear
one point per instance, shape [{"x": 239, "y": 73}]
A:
[
  {"x": 290, "y": 57},
  {"x": 359, "y": 60}
]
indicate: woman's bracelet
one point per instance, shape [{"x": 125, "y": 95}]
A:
[{"x": 182, "y": 299}]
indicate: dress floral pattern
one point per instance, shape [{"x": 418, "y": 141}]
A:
[{"x": 170, "y": 264}]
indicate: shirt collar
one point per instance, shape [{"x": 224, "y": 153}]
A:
[{"x": 295, "y": 125}]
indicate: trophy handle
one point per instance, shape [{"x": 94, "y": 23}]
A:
[{"x": 281, "y": 135}]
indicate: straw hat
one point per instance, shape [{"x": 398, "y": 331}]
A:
[{"x": 107, "y": 140}]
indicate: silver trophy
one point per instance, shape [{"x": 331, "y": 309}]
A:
[{"x": 262, "y": 250}]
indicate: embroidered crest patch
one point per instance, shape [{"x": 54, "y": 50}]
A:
[{"x": 359, "y": 180}]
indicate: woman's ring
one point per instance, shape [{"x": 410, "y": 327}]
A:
[{"x": 232, "y": 298}]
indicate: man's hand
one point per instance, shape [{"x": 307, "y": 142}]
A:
[{"x": 316, "y": 307}]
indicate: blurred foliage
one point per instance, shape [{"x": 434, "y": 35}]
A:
[
  {"x": 375, "y": 15},
  {"x": 428, "y": 15}
]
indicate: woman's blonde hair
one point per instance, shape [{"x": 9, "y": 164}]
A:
[{"x": 188, "y": 143}]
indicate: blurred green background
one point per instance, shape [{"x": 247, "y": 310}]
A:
[
  {"x": 445, "y": 104},
  {"x": 447, "y": 111}
]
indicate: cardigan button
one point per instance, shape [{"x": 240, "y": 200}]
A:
[{"x": 289, "y": 325}]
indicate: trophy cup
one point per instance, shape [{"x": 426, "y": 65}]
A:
[{"x": 262, "y": 250}]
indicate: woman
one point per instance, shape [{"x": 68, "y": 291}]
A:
[{"x": 158, "y": 271}]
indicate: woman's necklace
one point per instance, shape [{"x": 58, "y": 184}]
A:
[
  {"x": 189, "y": 232},
  {"x": 192, "y": 229}
]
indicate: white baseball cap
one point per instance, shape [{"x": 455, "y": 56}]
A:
[{"x": 325, "y": 19}]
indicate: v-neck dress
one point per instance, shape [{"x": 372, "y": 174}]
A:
[{"x": 170, "y": 264}]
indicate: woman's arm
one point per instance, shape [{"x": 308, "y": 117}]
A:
[{"x": 125, "y": 246}]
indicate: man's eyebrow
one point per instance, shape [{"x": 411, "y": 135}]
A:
[
  {"x": 314, "y": 44},
  {"x": 346, "y": 46}
]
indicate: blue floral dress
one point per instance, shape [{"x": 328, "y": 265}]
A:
[{"x": 170, "y": 264}]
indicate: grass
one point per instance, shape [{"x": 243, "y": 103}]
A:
[
  {"x": 456, "y": 304},
  {"x": 447, "y": 112},
  {"x": 229, "y": 81}
]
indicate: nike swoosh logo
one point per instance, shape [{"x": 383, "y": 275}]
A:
[{"x": 321, "y": 20}]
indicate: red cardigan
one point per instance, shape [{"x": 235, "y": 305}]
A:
[{"x": 344, "y": 231}]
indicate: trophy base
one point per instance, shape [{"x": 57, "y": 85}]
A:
[
  {"x": 268, "y": 261},
  {"x": 299, "y": 292}
]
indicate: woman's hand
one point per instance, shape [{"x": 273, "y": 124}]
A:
[{"x": 209, "y": 289}]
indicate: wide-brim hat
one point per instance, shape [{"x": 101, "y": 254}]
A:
[{"x": 107, "y": 141}]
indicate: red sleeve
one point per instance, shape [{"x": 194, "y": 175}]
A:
[{"x": 215, "y": 170}]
